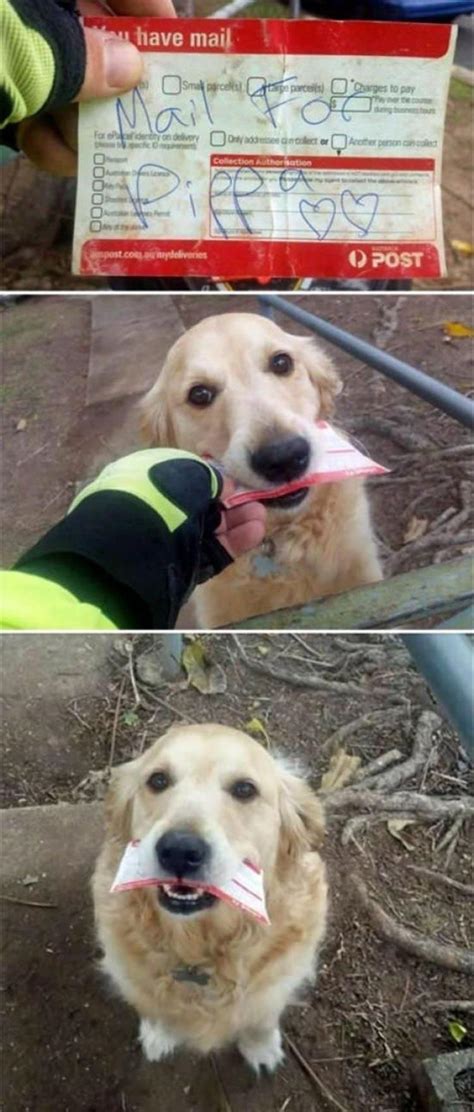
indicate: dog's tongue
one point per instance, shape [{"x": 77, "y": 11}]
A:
[
  {"x": 338, "y": 459},
  {"x": 139, "y": 869}
]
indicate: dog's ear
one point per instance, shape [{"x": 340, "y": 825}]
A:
[
  {"x": 118, "y": 805},
  {"x": 155, "y": 420},
  {"x": 301, "y": 815},
  {"x": 323, "y": 375}
]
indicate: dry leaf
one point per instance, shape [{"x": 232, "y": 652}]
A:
[
  {"x": 415, "y": 528},
  {"x": 395, "y": 827},
  {"x": 462, "y": 247},
  {"x": 256, "y": 728},
  {"x": 455, "y": 328},
  {"x": 203, "y": 674},
  {"x": 342, "y": 768},
  {"x": 21, "y": 425},
  {"x": 263, "y": 650}
]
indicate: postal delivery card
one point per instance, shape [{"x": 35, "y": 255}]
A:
[{"x": 268, "y": 147}]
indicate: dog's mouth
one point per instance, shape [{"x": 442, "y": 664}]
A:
[
  {"x": 181, "y": 899},
  {"x": 288, "y": 501}
]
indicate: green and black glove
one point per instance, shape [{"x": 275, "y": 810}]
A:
[{"x": 135, "y": 543}]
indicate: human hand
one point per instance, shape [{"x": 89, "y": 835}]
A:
[
  {"x": 241, "y": 527},
  {"x": 112, "y": 66}
]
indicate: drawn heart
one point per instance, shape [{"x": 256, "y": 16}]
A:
[
  {"x": 368, "y": 203},
  {"x": 310, "y": 209}
]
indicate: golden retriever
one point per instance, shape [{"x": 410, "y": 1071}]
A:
[
  {"x": 223, "y": 793},
  {"x": 243, "y": 391}
]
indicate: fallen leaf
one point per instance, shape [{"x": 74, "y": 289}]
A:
[
  {"x": 263, "y": 650},
  {"x": 342, "y": 768},
  {"x": 130, "y": 718},
  {"x": 457, "y": 1030},
  {"x": 203, "y": 674},
  {"x": 462, "y": 247},
  {"x": 415, "y": 528},
  {"x": 395, "y": 827},
  {"x": 256, "y": 728},
  {"x": 21, "y": 425},
  {"x": 455, "y": 328},
  {"x": 29, "y": 880}
]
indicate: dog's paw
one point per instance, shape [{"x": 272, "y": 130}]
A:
[
  {"x": 156, "y": 1042},
  {"x": 262, "y": 1050}
]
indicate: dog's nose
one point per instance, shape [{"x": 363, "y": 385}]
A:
[
  {"x": 282, "y": 460},
  {"x": 181, "y": 853}
]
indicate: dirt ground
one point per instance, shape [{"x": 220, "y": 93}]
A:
[
  {"x": 374, "y": 1010},
  {"x": 37, "y": 241},
  {"x": 52, "y": 440}
]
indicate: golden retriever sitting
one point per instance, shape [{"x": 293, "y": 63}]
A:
[
  {"x": 200, "y": 972},
  {"x": 238, "y": 388}
]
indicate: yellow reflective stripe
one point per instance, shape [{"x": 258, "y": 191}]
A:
[
  {"x": 28, "y": 65},
  {"x": 129, "y": 475},
  {"x": 29, "y": 602}
]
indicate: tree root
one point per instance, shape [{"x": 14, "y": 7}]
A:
[
  {"x": 360, "y": 823},
  {"x": 452, "y": 957},
  {"x": 371, "y": 770},
  {"x": 330, "y": 686},
  {"x": 443, "y": 880},
  {"x": 413, "y": 804},
  {"x": 337, "y": 739},
  {"x": 428, "y": 722},
  {"x": 422, "y": 543}
]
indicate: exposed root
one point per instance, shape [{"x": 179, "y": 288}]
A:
[
  {"x": 379, "y": 764},
  {"x": 415, "y": 805},
  {"x": 428, "y": 722},
  {"x": 428, "y": 949},
  {"x": 443, "y": 880},
  {"x": 427, "y": 541},
  {"x": 360, "y": 823},
  {"x": 337, "y": 739},
  {"x": 309, "y": 1071},
  {"x": 297, "y": 680}
]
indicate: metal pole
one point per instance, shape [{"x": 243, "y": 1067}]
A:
[
  {"x": 439, "y": 395},
  {"x": 446, "y": 660}
]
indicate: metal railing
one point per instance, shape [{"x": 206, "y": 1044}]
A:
[
  {"x": 433, "y": 591},
  {"x": 429, "y": 389}
]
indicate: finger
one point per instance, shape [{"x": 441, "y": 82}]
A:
[
  {"x": 113, "y": 66},
  {"x": 238, "y": 515},
  {"x": 243, "y": 537},
  {"x": 46, "y": 149}
]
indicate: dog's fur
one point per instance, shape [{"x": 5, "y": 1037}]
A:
[
  {"x": 253, "y": 969},
  {"x": 324, "y": 546}
]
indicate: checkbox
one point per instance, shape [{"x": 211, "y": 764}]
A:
[
  {"x": 99, "y": 159},
  {"x": 95, "y": 226},
  {"x": 98, "y": 184},
  {"x": 254, "y": 84},
  {"x": 171, "y": 84},
  {"x": 338, "y": 142},
  {"x": 97, "y": 198},
  {"x": 96, "y": 213},
  {"x": 99, "y": 171},
  {"x": 218, "y": 138},
  {"x": 339, "y": 85}
]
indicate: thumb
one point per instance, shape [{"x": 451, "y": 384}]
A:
[{"x": 113, "y": 65}]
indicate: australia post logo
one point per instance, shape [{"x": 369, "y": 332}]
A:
[{"x": 359, "y": 258}]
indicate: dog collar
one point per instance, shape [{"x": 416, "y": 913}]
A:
[{"x": 193, "y": 974}]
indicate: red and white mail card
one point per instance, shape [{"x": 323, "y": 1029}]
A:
[
  {"x": 138, "y": 868},
  {"x": 256, "y": 148},
  {"x": 337, "y": 459}
]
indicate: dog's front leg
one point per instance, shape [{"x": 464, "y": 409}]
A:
[
  {"x": 261, "y": 1047},
  {"x": 155, "y": 1040}
]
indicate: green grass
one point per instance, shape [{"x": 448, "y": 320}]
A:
[{"x": 460, "y": 90}]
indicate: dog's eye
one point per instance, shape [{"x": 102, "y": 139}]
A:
[
  {"x": 281, "y": 363},
  {"x": 201, "y": 395},
  {"x": 159, "y": 781},
  {"x": 243, "y": 790}
]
